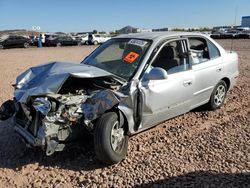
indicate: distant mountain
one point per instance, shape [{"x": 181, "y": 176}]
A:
[
  {"x": 127, "y": 29},
  {"x": 19, "y": 32}
]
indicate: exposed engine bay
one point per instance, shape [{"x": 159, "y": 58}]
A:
[{"x": 50, "y": 120}]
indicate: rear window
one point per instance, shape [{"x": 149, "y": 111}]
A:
[{"x": 213, "y": 50}]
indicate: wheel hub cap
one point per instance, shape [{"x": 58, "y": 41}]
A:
[
  {"x": 219, "y": 95},
  {"x": 117, "y": 136}
]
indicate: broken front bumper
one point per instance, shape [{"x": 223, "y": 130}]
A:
[
  {"x": 35, "y": 133},
  {"x": 52, "y": 120},
  {"x": 28, "y": 137}
]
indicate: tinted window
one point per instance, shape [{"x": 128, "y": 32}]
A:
[{"x": 11, "y": 38}]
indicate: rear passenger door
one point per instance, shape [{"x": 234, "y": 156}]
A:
[{"x": 207, "y": 68}]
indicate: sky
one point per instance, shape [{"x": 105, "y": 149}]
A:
[{"x": 110, "y": 15}]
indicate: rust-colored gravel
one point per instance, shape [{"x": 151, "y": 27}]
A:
[{"x": 198, "y": 149}]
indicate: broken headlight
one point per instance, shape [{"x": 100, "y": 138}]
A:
[{"x": 42, "y": 105}]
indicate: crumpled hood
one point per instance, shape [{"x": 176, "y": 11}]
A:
[{"x": 49, "y": 78}]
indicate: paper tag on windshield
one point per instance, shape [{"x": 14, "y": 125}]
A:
[
  {"x": 137, "y": 42},
  {"x": 131, "y": 57}
]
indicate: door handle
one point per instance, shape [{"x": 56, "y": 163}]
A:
[
  {"x": 187, "y": 83},
  {"x": 218, "y": 69}
]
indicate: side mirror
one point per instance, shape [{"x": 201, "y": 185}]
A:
[{"x": 156, "y": 73}]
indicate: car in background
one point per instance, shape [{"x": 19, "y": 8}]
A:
[
  {"x": 61, "y": 41},
  {"x": 83, "y": 39},
  {"x": 207, "y": 33},
  {"x": 215, "y": 35},
  {"x": 51, "y": 36},
  {"x": 229, "y": 35},
  {"x": 127, "y": 85},
  {"x": 14, "y": 41},
  {"x": 244, "y": 35},
  {"x": 97, "y": 38}
]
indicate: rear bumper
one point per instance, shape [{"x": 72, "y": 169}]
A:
[{"x": 233, "y": 79}]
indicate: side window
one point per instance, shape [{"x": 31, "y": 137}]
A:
[
  {"x": 202, "y": 50},
  {"x": 10, "y": 39},
  {"x": 213, "y": 50},
  {"x": 199, "y": 50},
  {"x": 172, "y": 57}
]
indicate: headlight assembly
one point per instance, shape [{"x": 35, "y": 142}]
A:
[{"x": 42, "y": 105}]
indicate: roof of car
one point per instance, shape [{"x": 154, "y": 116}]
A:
[{"x": 156, "y": 35}]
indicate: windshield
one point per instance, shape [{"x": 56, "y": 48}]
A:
[{"x": 119, "y": 56}]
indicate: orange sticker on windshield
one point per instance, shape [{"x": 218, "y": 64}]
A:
[{"x": 131, "y": 57}]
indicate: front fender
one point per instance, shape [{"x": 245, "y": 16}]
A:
[{"x": 128, "y": 114}]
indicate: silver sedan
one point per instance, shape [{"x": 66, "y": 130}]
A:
[{"x": 129, "y": 84}]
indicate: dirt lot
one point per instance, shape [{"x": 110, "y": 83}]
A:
[{"x": 198, "y": 149}]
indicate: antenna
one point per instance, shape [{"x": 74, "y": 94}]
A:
[{"x": 235, "y": 17}]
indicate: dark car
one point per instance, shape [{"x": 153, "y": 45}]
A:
[
  {"x": 229, "y": 35},
  {"x": 14, "y": 41},
  {"x": 61, "y": 41},
  {"x": 244, "y": 35},
  {"x": 216, "y": 35}
]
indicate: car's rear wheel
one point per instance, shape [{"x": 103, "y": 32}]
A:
[
  {"x": 110, "y": 140},
  {"x": 218, "y": 96},
  {"x": 1, "y": 46},
  {"x": 58, "y": 44},
  {"x": 95, "y": 42}
]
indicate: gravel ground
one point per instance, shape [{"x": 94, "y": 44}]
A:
[{"x": 198, "y": 149}]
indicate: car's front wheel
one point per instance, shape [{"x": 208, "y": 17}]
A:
[
  {"x": 218, "y": 95},
  {"x": 95, "y": 42},
  {"x": 26, "y": 45},
  {"x": 58, "y": 44},
  {"x": 1, "y": 46},
  {"x": 110, "y": 140}
]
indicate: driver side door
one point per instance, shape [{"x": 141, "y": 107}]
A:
[{"x": 166, "y": 98}]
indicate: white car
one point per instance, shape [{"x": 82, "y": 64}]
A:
[
  {"x": 83, "y": 39},
  {"x": 127, "y": 85},
  {"x": 97, "y": 38}
]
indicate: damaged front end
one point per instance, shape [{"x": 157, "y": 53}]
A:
[
  {"x": 51, "y": 119},
  {"x": 55, "y": 119}
]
